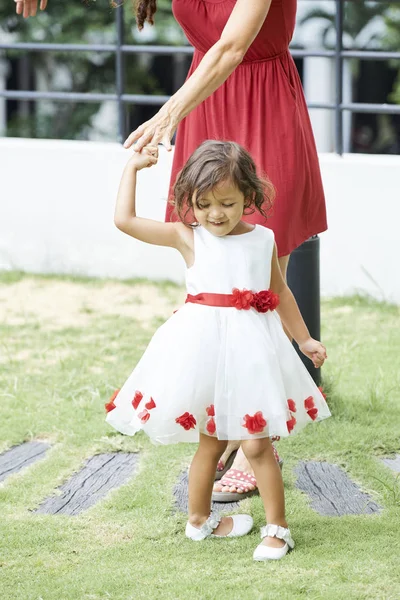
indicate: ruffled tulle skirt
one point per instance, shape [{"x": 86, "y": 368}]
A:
[{"x": 229, "y": 373}]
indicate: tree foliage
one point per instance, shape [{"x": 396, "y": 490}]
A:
[{"x": 82, "y": 23}]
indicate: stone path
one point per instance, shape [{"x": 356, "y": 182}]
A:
[
  {"x": 332, "y": 493},
  {"x": 19, "y": 457},
  {"x": 181, "y": 497},
  {"x": 101, "y": 473},
  {"x": 393, "y": 463}
]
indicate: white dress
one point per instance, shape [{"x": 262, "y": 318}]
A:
[{"x": 220, "y": 371}]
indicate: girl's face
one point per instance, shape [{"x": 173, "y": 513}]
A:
[{"x": 220, "y": 210}]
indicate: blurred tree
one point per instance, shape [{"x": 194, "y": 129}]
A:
[
  {"x": 92, "y": 22},
  {"x": 357, "y": 18},
  {"x": 367, "y": 24},
  {"x": 392, "y": 42}
]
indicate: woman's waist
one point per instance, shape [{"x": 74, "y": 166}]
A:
[{"x": 247, "y": 60}]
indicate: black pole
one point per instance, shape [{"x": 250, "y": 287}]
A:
[{"x": 303, "y": 280}]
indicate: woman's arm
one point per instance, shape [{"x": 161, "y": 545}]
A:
[
  {"x": 146, "y": 230},
  {"x": 28, "y": 8},
  {"x": 217, "y": 64},
  {"x": 291, "y": 316}
]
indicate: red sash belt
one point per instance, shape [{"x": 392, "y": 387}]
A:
[{"x": 240, "y": 299}]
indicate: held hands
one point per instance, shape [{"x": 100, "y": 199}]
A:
[
  {"x": 28, "y": 8},
  {"x": 315, "y": 351},
  {"x": 159, "y": 129},
  {"x": 144, "y": 159}
]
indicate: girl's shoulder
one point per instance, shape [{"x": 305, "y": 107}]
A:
[{"x": 266, "y": 231}]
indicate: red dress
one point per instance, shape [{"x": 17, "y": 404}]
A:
[{"x": 262, "y": 107}]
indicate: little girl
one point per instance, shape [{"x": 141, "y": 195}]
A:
[{"x": 221, "y": 368}]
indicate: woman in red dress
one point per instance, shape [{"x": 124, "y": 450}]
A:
[{"x": 243, "y": 86}]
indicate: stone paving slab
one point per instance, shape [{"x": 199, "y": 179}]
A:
[
  {"x": 331, "y": 491},
  {"x": 100, "y": 474},
  {"x": 21, "y": 456},
  {"x": 393, "y": 463},
  {"x": 181, "y": 497}
]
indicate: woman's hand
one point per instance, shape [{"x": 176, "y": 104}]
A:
[
  {"x": 28, "y": 8},
  {"x": 315, "y": 351},
  {"x": 146, "y": 158},
  {"x": 158, "y": 130}
]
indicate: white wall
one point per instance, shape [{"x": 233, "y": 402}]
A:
[{"x": 56, "y": 216}]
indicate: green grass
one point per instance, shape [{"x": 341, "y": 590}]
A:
[{"x": 54, "y": 380}]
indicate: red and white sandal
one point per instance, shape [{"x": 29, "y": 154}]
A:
[
  {"x": 223, "y": 468},
  {"x": 240, "y": 480}
]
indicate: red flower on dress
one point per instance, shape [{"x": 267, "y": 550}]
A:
[
  {"x": 144, "y": 416},
  {"x": 150, "y": 404},
  {"x": 186, "y": 420},
  {"x": 322, "y": 392},
  {"x": 264, "y": 301},
  {"x": 255, "y": 423},
  {"x": 313, "y": 413},
  {"x": 309, "y": 403},
  {"x": 242, "y": 299},
  {"x": 137, "y": 399},
  {"x": 210, "y": 426},
  {"x": 310, "y": 407},
  {"x": 110, "y": 404},
  {"x": 290, "y": 424},
  {"x": 292, "y": 405},
  {"x": 210, "y": 410}
]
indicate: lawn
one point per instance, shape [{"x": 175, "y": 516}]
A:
[{"x": 67, "y": 343}]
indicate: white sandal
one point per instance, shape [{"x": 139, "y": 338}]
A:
[
  {"x": 242, "y": 525},
  {"x": 263, "y": 552}
]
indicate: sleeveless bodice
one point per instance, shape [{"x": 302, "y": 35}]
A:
[{"x": 223, "y": 263}]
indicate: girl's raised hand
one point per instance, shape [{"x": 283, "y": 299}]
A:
[
  {"x": 315, "y": 351},
  {"x": 146, "y": 158}
]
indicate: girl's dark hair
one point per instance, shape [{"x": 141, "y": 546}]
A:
[
  {"x": 145, "y": 10},
  {"x": 214, "y": 162}
]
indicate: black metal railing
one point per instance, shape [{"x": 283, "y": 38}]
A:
[{"x": 121, "y": 98}]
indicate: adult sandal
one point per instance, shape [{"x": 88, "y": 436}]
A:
[
  {"x": 222, "y": 469},
  {"x": 240, "y": 480},
  {"x": 263, "y": 552},
  {"x": 242, "y": 525}
]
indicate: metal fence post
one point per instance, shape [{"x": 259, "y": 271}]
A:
[
  {"x": 303, "y": 280},
  {"x": 339, "y": 78},
  {"x": 119, "y": 71}
]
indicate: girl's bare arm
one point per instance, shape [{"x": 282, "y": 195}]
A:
[
  {"x": 291, "y": 316},
  {"x": 125, "y": 218}
]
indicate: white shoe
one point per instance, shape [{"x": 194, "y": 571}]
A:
[
  {"x": 242, "y": 524},
  {"x": 263, "y": 552}
]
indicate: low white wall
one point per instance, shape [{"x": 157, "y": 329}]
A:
[{"x": 57, "y": 202}]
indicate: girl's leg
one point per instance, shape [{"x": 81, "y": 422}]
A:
[
  {"x": 269, "y": 480},
  {"x": 201, "y": 479}
]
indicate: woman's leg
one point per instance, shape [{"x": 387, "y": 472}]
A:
[
  {"x": 260, "y": 454},
  {"x": 201, "y": 478},
  {"x": 241, "y": 463}
]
